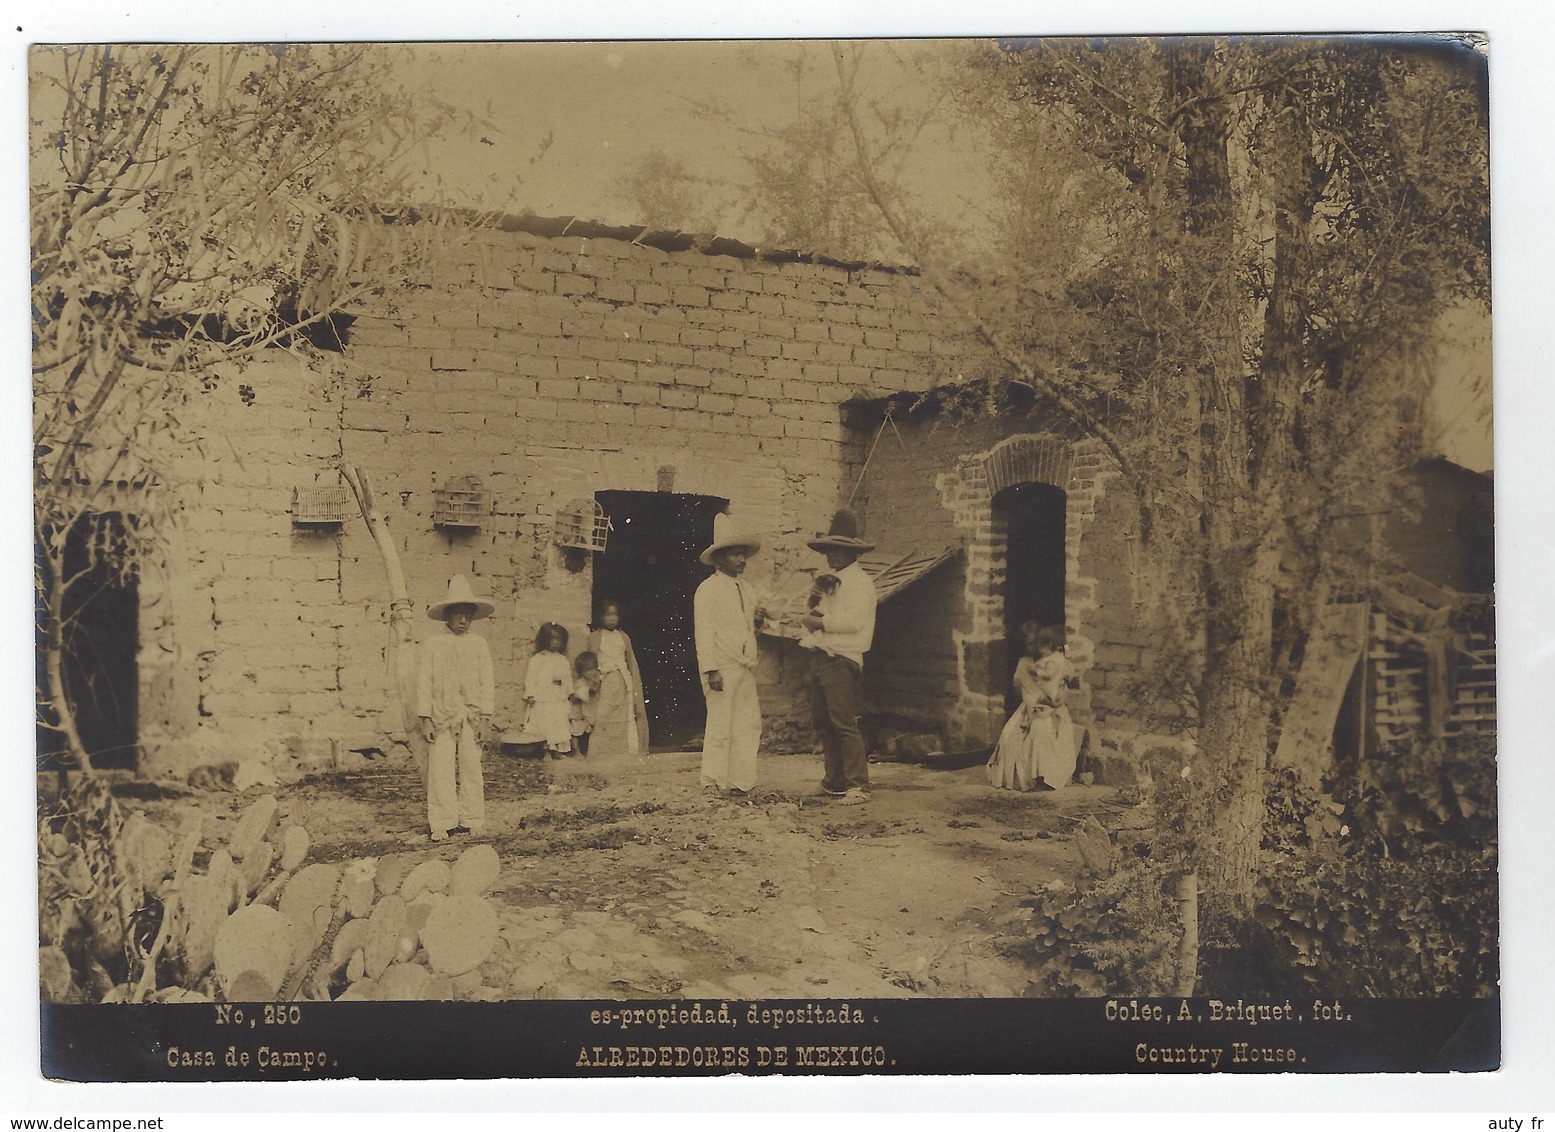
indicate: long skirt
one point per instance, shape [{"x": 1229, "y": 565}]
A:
[
  {"x": 1042, "y": 754},
  {"x": 615, "y": 720}
]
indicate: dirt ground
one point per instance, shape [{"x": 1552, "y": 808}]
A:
[{"x": 634, "y": 884}]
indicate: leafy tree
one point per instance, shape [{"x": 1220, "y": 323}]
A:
[
  {"x": 191, "y": 207},
  {"x": 801, "y": 187},
  {"x": 805, "y": 192},
  {"x": 662, "y": 191},
  {"x": 1241, "y": 317}
]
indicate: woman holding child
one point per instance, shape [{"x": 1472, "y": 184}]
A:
[{"x": 1037, "y": 749}]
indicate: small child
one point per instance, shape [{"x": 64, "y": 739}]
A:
[
  {"x": 585, "y": 692},
  {"x": 548, "y": 684},
  {"x": 823, "y": 587},
  {"x": 455, "y": 698}
]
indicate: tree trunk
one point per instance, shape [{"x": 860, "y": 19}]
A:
[
  {"x": 1275, "y": 396},
  {"x": 402, "y": 645},
  {"x": 1238, "y": 572},
  {"x": 1188, "y": 945},
  {"x": 1234, "y": 739},
  {"x": 54, "y": 663}
]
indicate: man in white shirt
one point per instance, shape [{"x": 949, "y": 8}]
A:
[
  {"x": 455, "y": 697},
  {"x": 725, "y": 617},
  {"x": 841, "y": 629}
]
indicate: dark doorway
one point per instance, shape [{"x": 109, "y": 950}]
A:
[
  {"x": 102, "y": 631},
  {"x": 1033, "y": 520},
  {"x": 650, "y": 567}
]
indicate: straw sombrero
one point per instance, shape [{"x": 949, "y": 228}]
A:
[
  {"x": 842, "y": 536},
  {"x": 725, "y": 536},
  {"x": 459, "y": 593}
]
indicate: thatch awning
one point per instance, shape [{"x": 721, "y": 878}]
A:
[{"x": 891, "y": 571}]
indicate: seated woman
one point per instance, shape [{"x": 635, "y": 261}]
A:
[{"x": 1037, "y": 749}]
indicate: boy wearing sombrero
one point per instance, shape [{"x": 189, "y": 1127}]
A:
[
  {"x": 841, "y": 629},
  {"x": 455, "y": 698},
  {"x": 725, "y": 618}
]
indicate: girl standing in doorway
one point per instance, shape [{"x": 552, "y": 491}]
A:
[{"x": 620, "y": 712}]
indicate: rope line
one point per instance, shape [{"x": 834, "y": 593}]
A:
[{"x": 868, "y": 456}]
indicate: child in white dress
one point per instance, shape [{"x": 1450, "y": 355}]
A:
[{"x": 548, "y": 684}]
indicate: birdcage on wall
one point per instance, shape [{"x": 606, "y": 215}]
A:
[
  {"x": 582, "y": 525},
  {"x": 460, "y": 504},
  {"x": 319, "y": 506}
]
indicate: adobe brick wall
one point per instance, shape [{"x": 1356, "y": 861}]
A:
[
  {"x": 915, "y": 671},
  {"x": 551, "y": 369},
  {"x": 243, "y": 628},
  {"x": 940, "y": 650}
]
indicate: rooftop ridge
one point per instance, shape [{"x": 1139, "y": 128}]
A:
[{"x": 665, "y": 240}]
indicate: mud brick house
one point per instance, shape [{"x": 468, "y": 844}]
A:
[
  {"x": 1413, "y": 659},
  {"x": 1033, "y": 526},
  {"x": 1431, "y": 656},
  {"x": 557, "y": 383}
]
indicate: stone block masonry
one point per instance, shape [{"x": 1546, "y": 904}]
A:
[
  {"x": 548, "y": 369},
  {"x": 944, "y": 660}
]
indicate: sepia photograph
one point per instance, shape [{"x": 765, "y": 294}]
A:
[{"x": 865, "y": 556}]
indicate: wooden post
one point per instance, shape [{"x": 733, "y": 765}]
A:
[
  {"x": 402, "y": 645},
  {"x": 1188, "y": 946}
]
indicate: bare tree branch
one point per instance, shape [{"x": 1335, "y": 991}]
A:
[{"x": 1016, "y": 359}]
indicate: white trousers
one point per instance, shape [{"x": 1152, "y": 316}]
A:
[
  {"x": 455, "y": 756},
  {"x": 733, "y": 731}
]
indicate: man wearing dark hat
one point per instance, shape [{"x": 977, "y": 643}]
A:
[{"x": 842, "y": 627}]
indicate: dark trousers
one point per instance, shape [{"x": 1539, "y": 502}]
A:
[{"x": 836, "y": 701}]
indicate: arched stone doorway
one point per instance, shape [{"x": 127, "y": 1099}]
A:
[
  {"x": 1030, "y": 519},
  {"x": 1026, "y": 504}
]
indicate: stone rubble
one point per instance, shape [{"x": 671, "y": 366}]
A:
[
  {"x": 260, "y": 922},
  {"x": 752, "y": 908}
]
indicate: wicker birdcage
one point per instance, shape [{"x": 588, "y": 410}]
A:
[
  {"x": 459, "y": 503},
  {"x": 583, "y": 525},
  {"x": 319, "y": 506}
]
